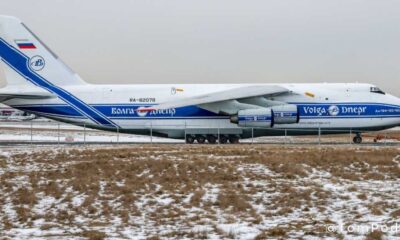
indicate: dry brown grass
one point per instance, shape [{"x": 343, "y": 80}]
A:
[
  {"x": 375, "y": 235},
  {"x": 3, "y": 162},
  {"x": 395, "y": 214},
  {"x": 112, "y": 182},
  {"x": 24, "y": 196},
  {"x": 276, "y": 232},
  {"x": 234, "y": 201},
  {"x": 93, "y": 235}
]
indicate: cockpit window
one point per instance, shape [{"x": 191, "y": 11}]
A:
[{"x": 377, "y": 90}]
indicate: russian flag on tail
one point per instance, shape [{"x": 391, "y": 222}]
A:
[{"x": 25, "y": 44}]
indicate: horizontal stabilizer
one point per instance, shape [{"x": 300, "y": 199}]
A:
[{"x": 8, "y": 96}]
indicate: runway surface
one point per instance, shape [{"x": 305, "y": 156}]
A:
[{"x": 52, "y": 133}]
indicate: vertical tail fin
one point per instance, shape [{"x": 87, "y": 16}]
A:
[{"x": 21, "y": 51}]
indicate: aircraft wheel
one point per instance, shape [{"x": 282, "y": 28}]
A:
[
  {"x": 357, "y": 139},
  {"x": 211, "y": 139},
  {"x": 190, "y": 139},
  {"x": 233, "y": 139},
  {"x": 200, "y": 139},
  {"x": 223, "y": 139}
]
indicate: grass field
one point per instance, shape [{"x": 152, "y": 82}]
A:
[
  {"x": 53, "y": 132},
  {"x": 201, "y": 192}
]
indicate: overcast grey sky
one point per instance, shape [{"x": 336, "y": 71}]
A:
[{"x": 212, "y": 41}]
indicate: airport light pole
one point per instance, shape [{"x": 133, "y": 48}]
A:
[
  {"x": 350, "y": 136},
  {"x": 185, "y": 133},
  {"x": 252, "y": 135},
  {"x": 84, "y": 133},
  {"x": 31, "y": 132},
  {"x": 319, "y": 136},
  {"x": 58, "y": 134},
  {"x": 285, "y": 136},
  {"x": 151, "y": 132},
  {"x": 117, "y": 134}
]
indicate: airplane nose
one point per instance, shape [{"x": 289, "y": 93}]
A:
[
  {"x": 393, "y": 100},
  {"x": 398, "y": 110}
]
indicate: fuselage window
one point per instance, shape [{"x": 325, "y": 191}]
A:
[{"x": 377, "y": 90}]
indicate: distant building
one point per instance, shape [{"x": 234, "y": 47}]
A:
[{"x": 8, "y": 111}]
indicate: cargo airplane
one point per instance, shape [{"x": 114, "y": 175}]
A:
[{"x": 38, "y": 82}]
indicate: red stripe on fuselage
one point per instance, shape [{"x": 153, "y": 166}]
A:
[{"x": 26, "y": 46}]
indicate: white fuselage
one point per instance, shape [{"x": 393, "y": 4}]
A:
[
  {"x": 338, "y": 107},
  {"x": 40, "y": 83}
]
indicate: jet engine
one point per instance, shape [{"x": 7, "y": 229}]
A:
[
  {"x": 286, "y": 114},
  {"x": 267, "y": 117},
  {"x": 258, "y": 117}
]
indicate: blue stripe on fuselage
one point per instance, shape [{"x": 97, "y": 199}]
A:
[
  {"x": 307, "y": 111},
  {"x": 123, "y": 111},
  {"x": 341, "y": 110},
  {"x": 20, "y": 63}
]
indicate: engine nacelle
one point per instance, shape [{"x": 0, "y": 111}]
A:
[
  {"x": 267, "y": 117},
  {"x": 259, "y": 117},
  {"x": 285, "y": 114}
]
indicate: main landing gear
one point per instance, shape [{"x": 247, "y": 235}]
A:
[
  {"x": 212, "y": 139},
  {"x": 357, "y": 139},
  {"x": 190, "y": 139},
  {"x": 201, "y": 139}
]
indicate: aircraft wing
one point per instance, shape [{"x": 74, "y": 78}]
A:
[{"x": 228, "y": 101}]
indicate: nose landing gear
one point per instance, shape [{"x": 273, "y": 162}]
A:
[{"x": 357, "y": 139}]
